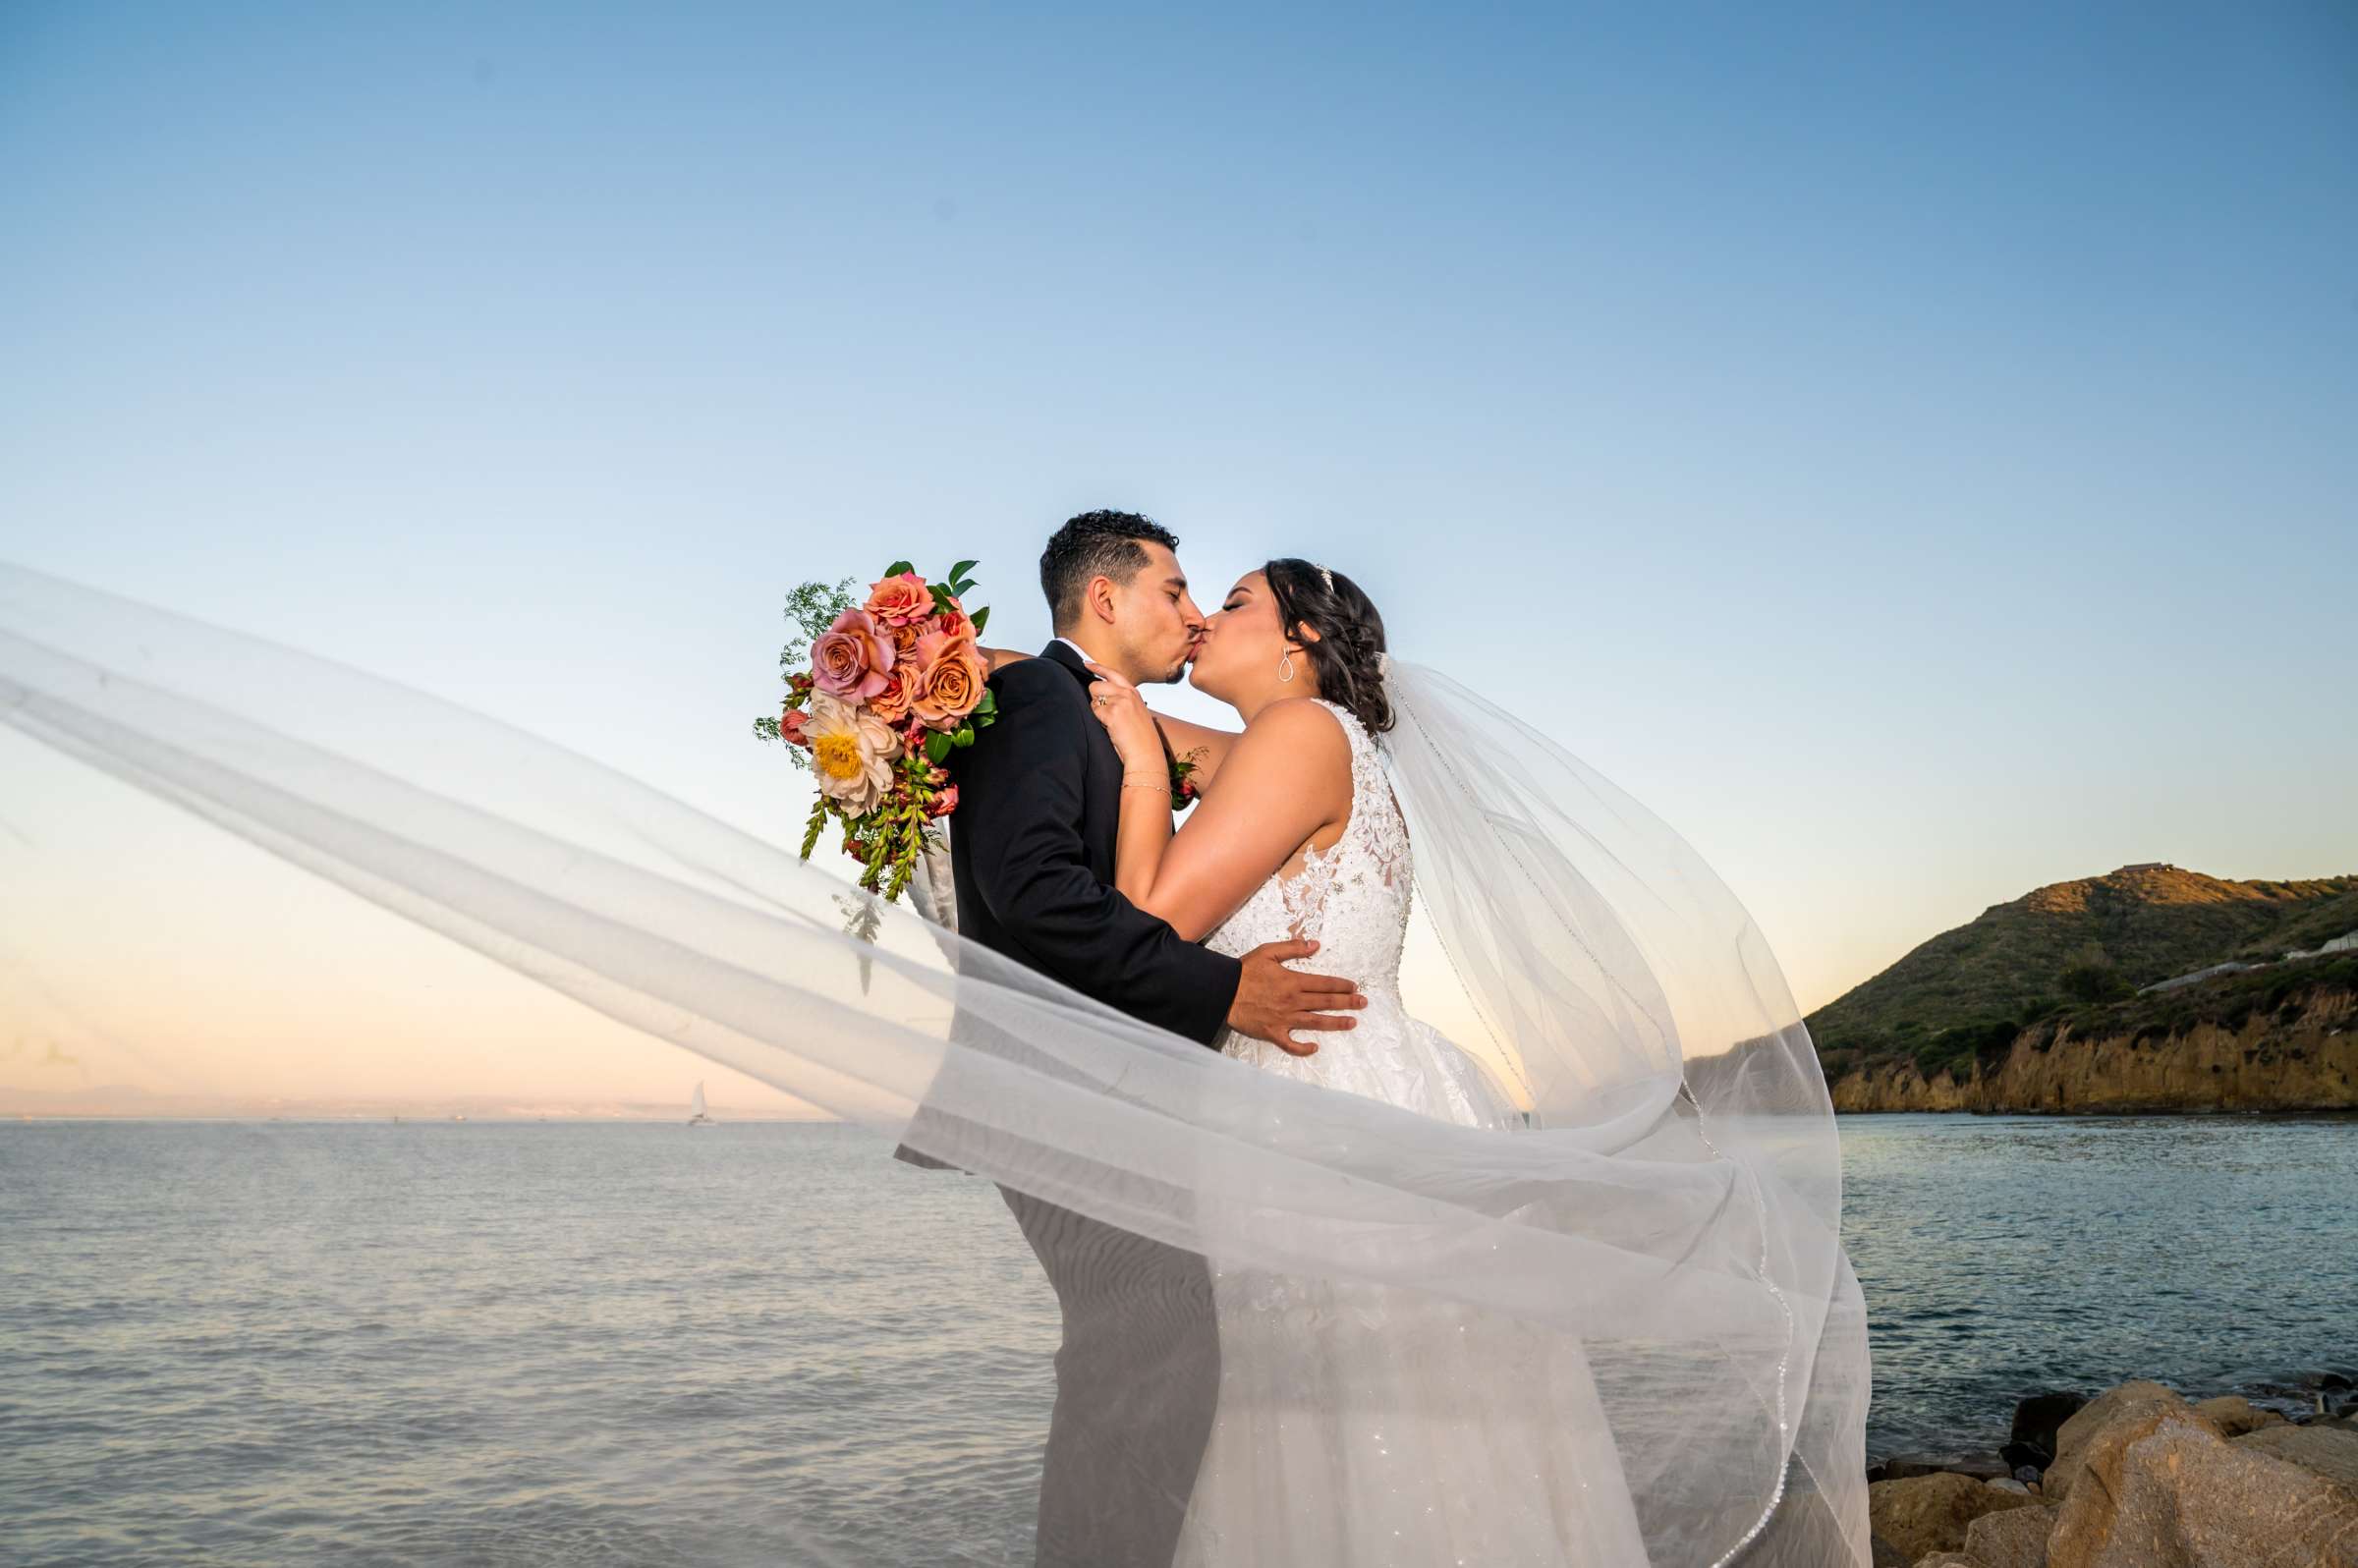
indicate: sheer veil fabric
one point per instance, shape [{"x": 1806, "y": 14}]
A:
[{"x": 1672, "y": 1212}]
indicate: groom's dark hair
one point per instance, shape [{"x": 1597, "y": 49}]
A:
[{"x": 1094, "y": 545}]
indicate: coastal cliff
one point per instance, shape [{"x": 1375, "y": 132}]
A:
[
  {"x": 2151, "y": 988},
  {"x": 2309, "y": 1063}
]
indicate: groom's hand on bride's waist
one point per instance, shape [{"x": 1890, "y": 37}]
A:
[{"x": 1273, "y": 1001}]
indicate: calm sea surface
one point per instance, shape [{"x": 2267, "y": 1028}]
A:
[{"x": 548, "y": 1343}]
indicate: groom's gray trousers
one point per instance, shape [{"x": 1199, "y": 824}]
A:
[{"x": 1136, "y": 1379}]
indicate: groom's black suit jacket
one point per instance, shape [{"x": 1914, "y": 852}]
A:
[{"x": 1039, "y": 798}]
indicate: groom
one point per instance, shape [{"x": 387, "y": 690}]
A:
[{"x": 1038, "y": 802}]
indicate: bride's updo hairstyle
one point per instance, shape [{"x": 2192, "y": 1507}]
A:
[{"x": 1348, "y": 655}]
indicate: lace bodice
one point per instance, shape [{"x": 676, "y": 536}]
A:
[{"x": 1351, "y": 898}]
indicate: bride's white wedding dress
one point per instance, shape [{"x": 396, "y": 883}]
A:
[{"x": 1365, "y": 1426}]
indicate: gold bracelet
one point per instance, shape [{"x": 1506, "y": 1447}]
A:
[{"x": 1161, "y": 784}]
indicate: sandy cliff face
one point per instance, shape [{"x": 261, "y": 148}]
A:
[{"x": 2307, "y": 1064}]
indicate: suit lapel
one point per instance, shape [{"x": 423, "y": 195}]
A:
[{"x": 1102, "y": 787}]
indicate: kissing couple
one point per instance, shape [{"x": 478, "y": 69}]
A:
[{"x": 1202, "y": 1415}]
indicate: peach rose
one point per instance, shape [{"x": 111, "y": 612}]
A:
[
  {"x": 891, "y": 705},
  {"x": 852, "y": 751},
  {"x": 790, "y": 727},
  {"x": 904, "y": 638},
  {"x": 950, "y": 679},
  {"x": 900, "y": 601},
  {"x": 852, "y": 659}
]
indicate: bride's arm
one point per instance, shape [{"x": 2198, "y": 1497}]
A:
[
  {"x": 1199, "y": 744},
  {"x": 1288, "y": 776}
]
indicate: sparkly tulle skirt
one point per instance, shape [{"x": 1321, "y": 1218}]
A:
[{"x": 1363, "y": 1425}]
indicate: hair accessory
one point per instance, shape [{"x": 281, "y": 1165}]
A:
[{"x": 1327, "y": 577}]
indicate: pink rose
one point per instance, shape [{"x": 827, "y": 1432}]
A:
[
  {"x": 790, "y": 727},
  {"x": 951, "y": 679},
  {"x": 900, "y": 601},
  {"x": 852, "y": 658},
  {"x": 944, "y": 804}
]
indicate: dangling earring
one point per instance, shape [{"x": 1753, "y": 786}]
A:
[{"x": 1285, "y": 667}]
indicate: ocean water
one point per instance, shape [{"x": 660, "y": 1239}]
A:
[{"x": 281, "y": 1343}]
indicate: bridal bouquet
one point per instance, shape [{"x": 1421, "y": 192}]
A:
[{"x": 878, "y": 693}]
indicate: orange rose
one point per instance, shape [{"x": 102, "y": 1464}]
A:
[
  {"x": 900, "y": 601},
  {"x": 891, "y": 705},
  {"x": 950, "y": 679},
  {"x": 904, "y": 638}
]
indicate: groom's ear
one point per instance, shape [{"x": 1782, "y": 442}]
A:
[{"x": 1098, "y": 599}]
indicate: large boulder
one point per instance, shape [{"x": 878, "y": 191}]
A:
[
  {"x": 2233, "y": 1415},
  {"x": 2012, "y": 1538},
  {"x": 1887, "y": 1555},
  {"x": 1925, "y": 1514},
  {"x": 2091, "y": 1472},
  {"x": 2329, "y": 1451},
  {"x": 2172, "y": 1493},
  {"x": 2141, "y": 1401}
]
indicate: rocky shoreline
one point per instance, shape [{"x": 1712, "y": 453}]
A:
[{"x": 2137, "y": 1476}]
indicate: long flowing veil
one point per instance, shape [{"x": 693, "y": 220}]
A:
[{"x": 1673, "y": 1210}]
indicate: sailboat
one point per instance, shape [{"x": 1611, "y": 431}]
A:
[{"x": 695, "y": 1107}]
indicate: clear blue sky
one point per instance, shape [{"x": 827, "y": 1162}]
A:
[{"x": 1913, "y": 448}]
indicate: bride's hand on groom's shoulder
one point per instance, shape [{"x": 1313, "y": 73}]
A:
[
  {"x": 1122, "y": 709},
  {"x": 1272, "y": 1001}
]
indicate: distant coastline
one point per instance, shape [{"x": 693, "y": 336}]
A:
[
  {"x": 2300, "y": 1055},
  {"x": 2151, "y": 989},
  {"x": 121, "y": 1103}
]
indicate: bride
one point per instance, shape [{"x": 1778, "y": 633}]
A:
[{"x": 1354, "y": 1425}]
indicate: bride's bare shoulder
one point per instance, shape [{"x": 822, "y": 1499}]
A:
[
  {"x": 1302, "y": 728},
  {"x": 1292, "y": 759}
]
